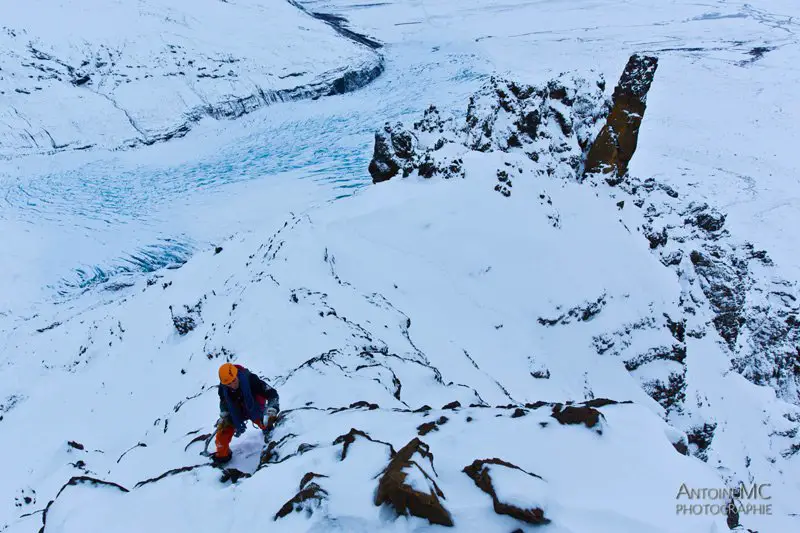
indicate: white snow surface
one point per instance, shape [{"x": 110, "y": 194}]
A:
[
  {"x": 113, "y": 74},
  {"x": 410, "y": 293}
]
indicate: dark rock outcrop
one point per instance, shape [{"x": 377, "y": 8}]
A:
[
  {"x": 433, "y": 164},
  {"x": 571, "y": 414},
  {"x": 700, "y": 439},
  {"x": 309, "y": 497},
  {"x": 722, "y": 281},
  {"x": 704, "y": 217},
  {"x": 394, "y": 490},
  {"x": 541, "y": 374},
  {"x": 364, "y": 404},
  {"x": 614, "y": 147},
  {"x": 480, "y": 472},
  {"x": 233, "y": 475},
  {"x": 393, "y": 153},
  {"x": 670, "y": 393},
  {"x": 681, "y": 447},
  {"x": 551, "y": 125},
  {"x": 585, "y": 312},
  {"x": 427, "y": 427},
  {"x": 433, "y": 425},
  {"x": 184, "y": 323},
  {"x": 349, "y": 438},
  {"x": 660, "y": 368},
  {"x": 602, "y": 402}
]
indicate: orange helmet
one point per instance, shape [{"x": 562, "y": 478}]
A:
[{"x": 227, "y": 373}]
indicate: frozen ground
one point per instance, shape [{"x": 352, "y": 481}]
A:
[{"x": 721, "y": 123}]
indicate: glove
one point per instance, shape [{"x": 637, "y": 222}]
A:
[{"x": 269, "y": 416}]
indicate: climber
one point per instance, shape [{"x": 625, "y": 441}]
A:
[{"x": 243, "y": 396}]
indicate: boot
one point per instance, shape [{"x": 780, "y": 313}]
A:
[{"x": 221, "y": 460}]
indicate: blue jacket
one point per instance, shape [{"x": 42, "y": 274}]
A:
[{"x": 248, "y": 402}]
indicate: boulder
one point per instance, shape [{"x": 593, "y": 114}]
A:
[
  {"x": 514, "y": 491},
  {"x": 408, "y": 486}
]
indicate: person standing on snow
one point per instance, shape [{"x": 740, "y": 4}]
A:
[{"x": 243, "y": 396}]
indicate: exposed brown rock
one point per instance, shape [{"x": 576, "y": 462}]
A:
[
  {"x": 270, "y": 454},
  {"x": 479, "y": 473},
  {"x": 393, "y": 490},
  {"x": 350, "y": 437},
  {"x": 602, "y": 402},
  {"x": 615, "y": 144},
  {"x": 362, "y": 403},
  {"x": 536, "y": 405},
  {"x": 571, "y": 414},
  {"x": 310, "y": 496},
  {"x": 427, "y": 427}
]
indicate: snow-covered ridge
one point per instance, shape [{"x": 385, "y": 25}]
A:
[{"x": 113, "y": 74}]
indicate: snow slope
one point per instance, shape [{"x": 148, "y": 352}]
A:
[
  {"x": 421, "y": 292},
  {"x": 372, "y": 315},
  {"x": 118, "y": 74}
]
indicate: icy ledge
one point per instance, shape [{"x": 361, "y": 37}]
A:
[{"x": 89, "y": 74}]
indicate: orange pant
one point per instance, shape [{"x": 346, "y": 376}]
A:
[{"x": 225, "y": 435}]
